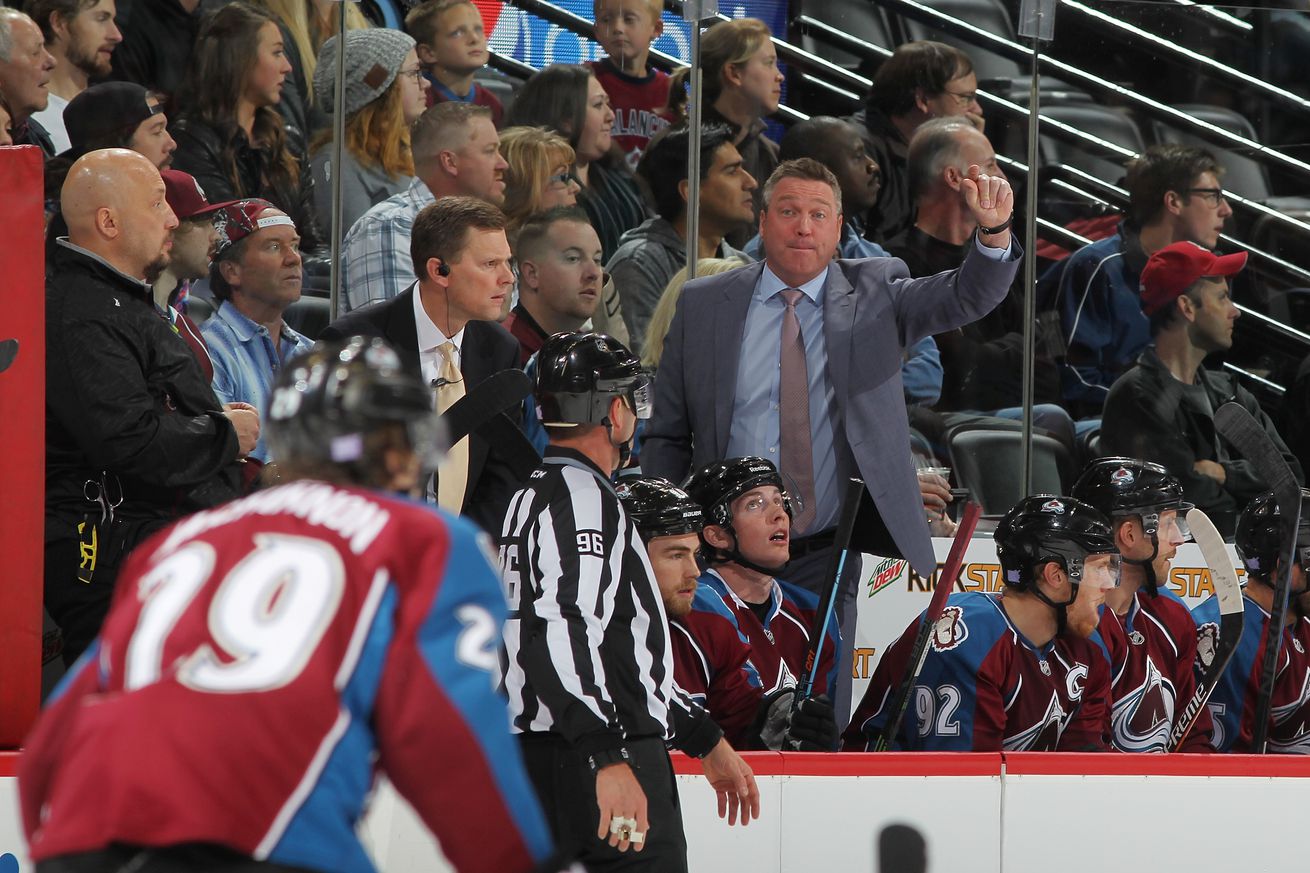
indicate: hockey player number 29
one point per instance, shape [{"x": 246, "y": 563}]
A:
[{"x": 267, "y": 615}]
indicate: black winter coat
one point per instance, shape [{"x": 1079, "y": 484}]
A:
[{"x": 125, "y": 397}]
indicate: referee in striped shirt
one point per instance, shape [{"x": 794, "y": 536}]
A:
[{"x": 589, "y": 668}]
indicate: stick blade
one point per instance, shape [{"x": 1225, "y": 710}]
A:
[{"x": 1222, "y": 572}]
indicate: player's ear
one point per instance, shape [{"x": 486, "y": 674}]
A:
[{"x": 717, "y": 537}]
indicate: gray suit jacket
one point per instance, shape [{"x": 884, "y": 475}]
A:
[{"x": 872, "y": 312}]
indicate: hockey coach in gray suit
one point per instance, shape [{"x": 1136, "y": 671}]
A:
[{"x": 797, "y": 359}]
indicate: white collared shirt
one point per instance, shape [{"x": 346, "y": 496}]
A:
[{"x": 430, "y": 338}]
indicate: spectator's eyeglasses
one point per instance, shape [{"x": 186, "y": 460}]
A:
[
  {"x": 1213, "y": 196},
  {"x": 965, "y": 99},
  {"x": 416, "y": 74},
  {"x": 565, "y": 178}
]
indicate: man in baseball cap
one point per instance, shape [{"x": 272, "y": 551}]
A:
[
  {"x": 255, "y": 276},
  {"x": 1162, "y": 409}
]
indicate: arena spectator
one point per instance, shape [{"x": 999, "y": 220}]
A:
[
  {"x": 456, "y": 153},
  {"x": 444, "y": 327},
  {"x": 538, "y": 176},
  {"x": 1173, "y": 195},
  {"x": 384, "y": 95},
  {"x": 229, "y": 135},
  {"x": 649, "y": 255},
  {"x": 134, "y": 434},
  {"x": 110, "y": 115},
  {"x": 25, "y": 71},
  {"x": 159, "y": 45},
  {"x": 193, "y": 245},
  {"x": 838, "y": 146},
  {"x": 625, "y": 29},
  {"x": 658, "y": 327},
  {"x": 569, "y": 100},
  {"x": 81, "y": 36},
  {"x": 742, "y": 85},
  {"x": 982, "y": 360},
  {"x": 5, "y": 137},
  {"x": 1162, "y": 409},
  {"x": 921, "y": 80},
  {"x": 305, "y": 26},
  {"x": 254, "y": 277},
  {"x": 452, "y": 48},
  {"x": 560, "y": 276}
]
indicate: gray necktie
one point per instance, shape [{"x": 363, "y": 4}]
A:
[{"x": 794, "y": 413}]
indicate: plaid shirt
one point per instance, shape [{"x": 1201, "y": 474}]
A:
[
  {"x": 245, "y": 362},
  {"x": 375, "y": 259}
]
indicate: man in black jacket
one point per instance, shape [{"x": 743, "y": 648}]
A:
[
  {"x": 444, "y": 326},
  {"x": 134, "y": 435},
  {"x": 159, "y": 38},
  {"x": 1162, "y": 409}
]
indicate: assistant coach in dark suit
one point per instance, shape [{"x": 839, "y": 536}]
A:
[
  {"x": 444, "y": 326},
  {"x": 721, "y": 390}
]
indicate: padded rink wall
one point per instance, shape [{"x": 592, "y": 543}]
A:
[{"x": 22, "y": 441}]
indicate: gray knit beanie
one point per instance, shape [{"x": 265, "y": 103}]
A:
[{"x": 373, "y": 58}]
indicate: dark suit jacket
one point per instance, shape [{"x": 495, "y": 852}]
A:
[
  {"x": 487, "y": 349},
  {"x": 872, "y": 312}
]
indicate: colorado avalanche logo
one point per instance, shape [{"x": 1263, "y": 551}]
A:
[
  {"x": 624, "y": 490},
  {"x": 1054, "y": 506},
  {"x": 1122, "y": 477},
  {"x": 949, "y": 630},
  {"x": 1207, "y": 640},
  {"x": 1044, "y": 735},
  {"x": 1291, "y": 734},
  {"x": 1141, "y": 718}
]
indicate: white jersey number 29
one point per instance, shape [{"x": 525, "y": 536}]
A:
[{"x": 267, "y": 615}]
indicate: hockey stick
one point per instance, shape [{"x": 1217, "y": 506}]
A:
[
  {"x": 850, "y": 505},
  {"x": 1231, "y": 623},
  {"x": 495, "y": 394},
  {"x": 945, "y": 582},
  {"x": 8, "y": 351},
  {"x": 1241, "y": 429}
]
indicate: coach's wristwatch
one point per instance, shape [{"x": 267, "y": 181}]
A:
[{"x": 992, "y": 231}]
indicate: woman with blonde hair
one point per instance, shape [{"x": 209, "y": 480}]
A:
[
  {"x": 540, "y": 174},
  {"x": 742, "y": 84},
  {"x": 663, "y": 314},
  {"x": 385, "y": 93}
]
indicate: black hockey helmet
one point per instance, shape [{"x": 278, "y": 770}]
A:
[
  {"x": 1260, "y": 534},
  {"x": 718, "y": 483},
  {"x": 1127, "y": 486},
  {"x": 659, "y": 508},
  {"x": 1046, "y": 528},
  {"x": 327, "y": 401},
  {"x": 578, "y": 374}
]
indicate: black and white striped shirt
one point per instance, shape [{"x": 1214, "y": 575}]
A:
[{"x": 586, "y": 646}]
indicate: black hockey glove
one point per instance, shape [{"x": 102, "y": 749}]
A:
[{"x": 813, "y": 726}]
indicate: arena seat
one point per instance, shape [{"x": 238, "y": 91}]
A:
[
  {"x": 309, "y": 315},
  {"x": 1112, "y": 125},
  {"x": 860, "y": 19},
  {"x": 990, "y": 15},
  {"x": 1242, "y": 174},
  {"x": 987, "y": 461}
]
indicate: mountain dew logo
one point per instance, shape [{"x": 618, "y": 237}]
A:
[{"x": 887, "y": 571}]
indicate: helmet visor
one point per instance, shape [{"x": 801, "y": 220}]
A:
[
  {"x": 1101, "y": 571},
  {"x": 1173, "y": 527},
  {"x": 640, "y": 397}
]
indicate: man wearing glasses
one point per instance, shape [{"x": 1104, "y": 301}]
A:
[{"x": 1174, "y": 196}]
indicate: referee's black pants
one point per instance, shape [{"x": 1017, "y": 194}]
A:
[{"x": 567, "y": 790}]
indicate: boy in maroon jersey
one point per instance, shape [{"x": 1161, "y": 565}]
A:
[
  {"x": 265, "y": 659},
  {"x": 1015, "y": 672},
  {"x": 625, "y": 29},
  {"x": 1149, "y": 633}
]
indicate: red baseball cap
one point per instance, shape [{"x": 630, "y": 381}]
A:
[
  {"x": 185, "y": 196},
  {"x": 239, "y": 219},
  {"x": 1175, "y": 268}
]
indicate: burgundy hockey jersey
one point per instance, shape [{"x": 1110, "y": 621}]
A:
[
  {"x": 1152, "y": 649},
  {"x": 261, "y": 660},
  {"x": 713, "y": 665},
  {"x": 636, "y": 103},
  {"x": 1232, "y": 705},
  {"x": 780, "y": 641},
  {"x": 986, "y": 688}
]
